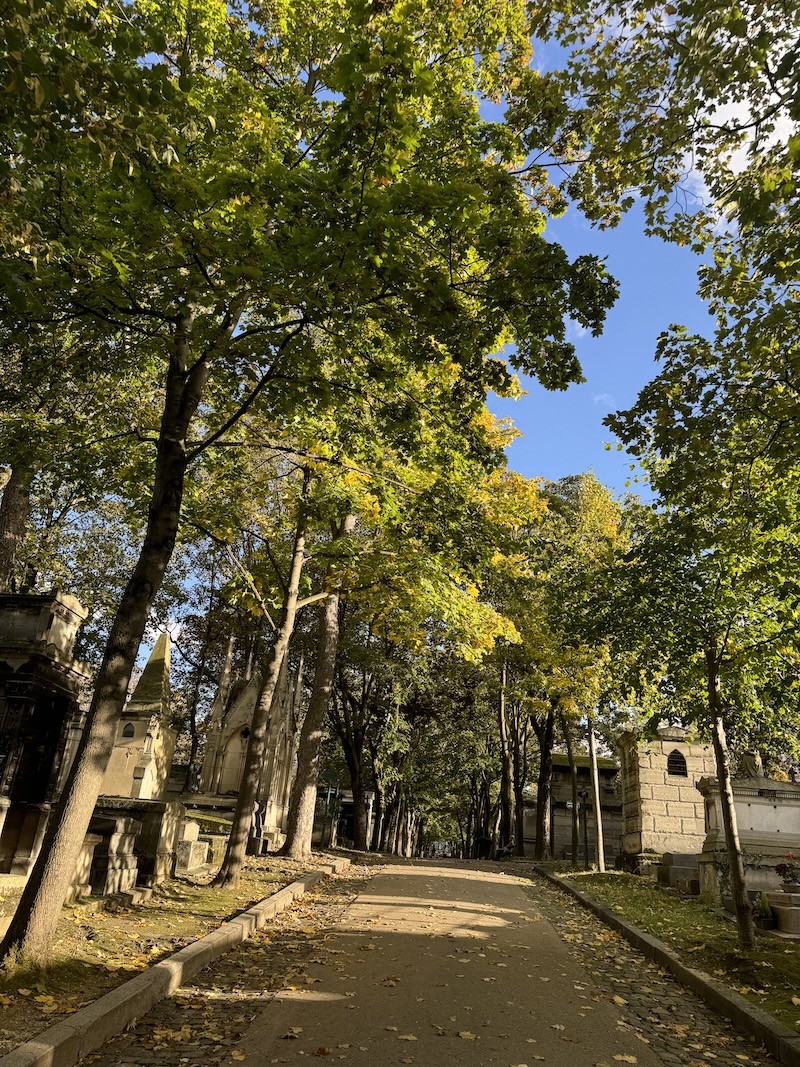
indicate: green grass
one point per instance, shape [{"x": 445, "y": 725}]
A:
[{"x": 705, "y": 938}]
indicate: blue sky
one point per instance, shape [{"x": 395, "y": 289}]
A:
[{"x": 564, "y": 432}]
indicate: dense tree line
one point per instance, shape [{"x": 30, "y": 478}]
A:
[{"x": 260, "y": 268}]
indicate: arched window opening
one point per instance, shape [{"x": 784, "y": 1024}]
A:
[
  {"x": 676, "y": 764},
  {"x": 127, "y": 730}
]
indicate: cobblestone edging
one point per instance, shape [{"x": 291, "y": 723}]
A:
[
  {"x": 69, "y": 1041},
  {"x": 778, "y": 1039}
]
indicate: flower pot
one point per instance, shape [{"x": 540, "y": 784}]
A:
[{"x": 764, "y": 922}]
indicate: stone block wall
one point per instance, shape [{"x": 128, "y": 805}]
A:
[{"x": 662, "y": 809}]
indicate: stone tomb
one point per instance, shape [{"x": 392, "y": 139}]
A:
[
  {"x": 192, "y": 852},
  {"x": 114, "y": 864},
  {"x": 662, "y": 810},
  {"x": 768, "y": 820},
  {"x": 145, "y": 743},
  {"x": 40, "y": 719}
]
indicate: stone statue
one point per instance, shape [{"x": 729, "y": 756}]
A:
[{"x": 750, "y": 765}]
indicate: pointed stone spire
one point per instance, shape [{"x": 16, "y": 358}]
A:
[
  {"x": 222, "y": 696},
  {"x": 151, "y": 695}
]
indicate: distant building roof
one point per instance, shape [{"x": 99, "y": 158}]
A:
[{"x": 561, "y": 759}]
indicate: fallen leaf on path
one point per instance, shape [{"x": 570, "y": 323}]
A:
[
  {"x": 406, "y": 1037},
  {"x": 626, "y": 1059},
  {"x": 323, "y": 1050},
  {"x": 466, "y": 1035},
  {"x": 619, "y": 1000},
  {"x": 293, "y": 1032},
  {"x": 237, "y": 1054}
]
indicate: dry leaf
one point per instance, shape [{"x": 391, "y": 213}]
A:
[
  {"x": 323, "y": 1050},
  {"x": 466, "y": 1035},
  {"x": 619, "y": 1000},
  {"x": 237, "y": 1054},
  {"x": 625, "y": 1058},
  {"x": 406, "y": 1037}
]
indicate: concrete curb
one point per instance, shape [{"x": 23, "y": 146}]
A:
[
  {"x": 68, "y": 1041},
  {"x": 778, "y": 1039}
]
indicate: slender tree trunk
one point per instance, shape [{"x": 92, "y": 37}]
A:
[
  {"x": 573, "y": 776},
  {"x": 544, "y": 782},
  {"x": 190, "y": 778},
  {"x": 598, "y": 813},
  {"x": 378, "y": 808},
  {"x": 520, "y": 754},
  {"x": 15, "y": 508},
  {"x": 236, "y": 851},
  {"x": 33, "y": 927},
  {"x": 506, "y": 829},
  {"x": 398, "y": 822},
  {"x": 303, "y": 799},
  {"x": 741, "y": 903},
  {"x": 386, "y": 829},
  {"x": 359, "y": 810}
]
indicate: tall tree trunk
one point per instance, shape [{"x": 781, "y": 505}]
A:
[
  {"x": 506, "y": 799},
  {"x": 741, "y": 903},
  {"x": 303, "y": 799},
  {"x": 190, "y": 778},
  {"x": 379, "y": 806},
  {"x": 236, "y": 851},
  {"x": 544, "y": 735},
  {"x": 386, "y": 831},
  {"x": 359, "y": 808},
  {"x": 33, "y": 927},
  {"x": 520, "y": 753},
  {"x": 598, "y": 813},
  {"x": 573, "y": 777},
  {"x": 400, "y": 811},
  {"x": 15, "y": 508}
]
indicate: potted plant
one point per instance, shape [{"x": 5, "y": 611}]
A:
[
  {"x": 789, "y": 871},
  {"x": 763, "y": 916}
]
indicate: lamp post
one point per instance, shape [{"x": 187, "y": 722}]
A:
[{"x": 584, "y": 810}]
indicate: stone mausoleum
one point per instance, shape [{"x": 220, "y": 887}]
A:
[
  {"x": 139, "y": 833},
  {"x": 663, "y": 812}
]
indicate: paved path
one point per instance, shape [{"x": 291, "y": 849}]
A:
[{"x": 434, "y": 965}]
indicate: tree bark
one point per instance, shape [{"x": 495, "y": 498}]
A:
[
  {"x": 359, "y": 811},
  {"x": 32, "y": 929},
  {"x": 236, "y": 851},
  {"x": 598, "y": 814},
  {"x": 544, "y": 733},
  {"x": 519, "y": 733},
  {"x": 386, "y": 831},
  {"x": 741, "y": 903},
  {"x": 15, "y": 508},
  {"x": 506, "y": 831},
  {"x": 573, "y": 776},
  {"x": 190, "y": 778},
  {"x": 303, "y": 800}
]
